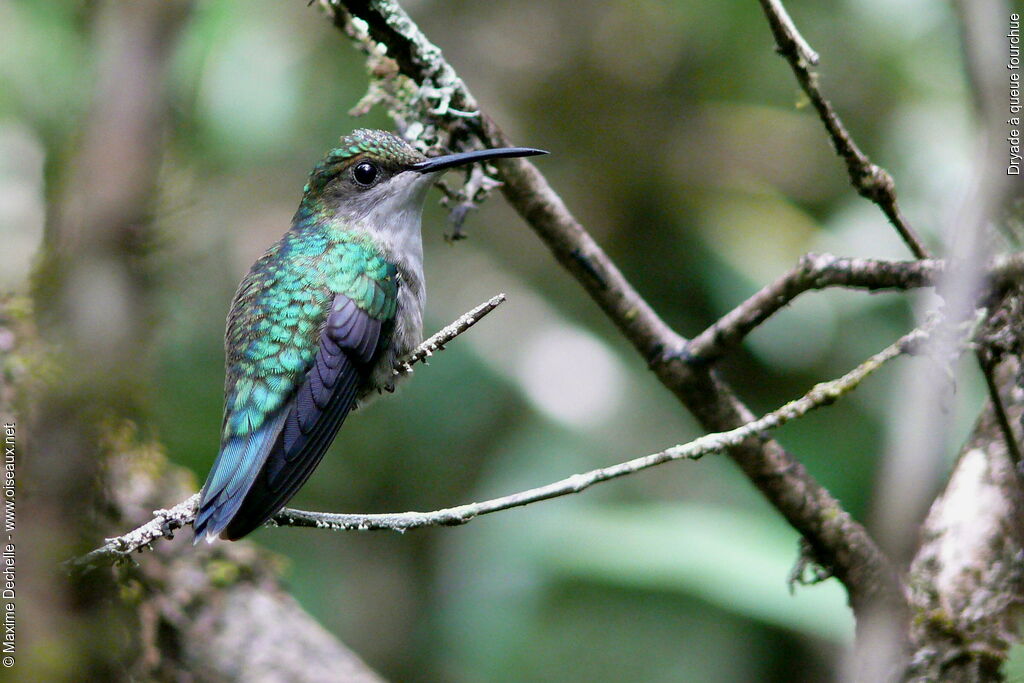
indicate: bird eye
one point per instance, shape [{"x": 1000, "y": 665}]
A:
[{"x": 365, "y": 173}]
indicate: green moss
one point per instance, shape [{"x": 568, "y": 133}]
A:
[
  {"x": 222, "y": 573},
  {"x": 131, "y": 592}
]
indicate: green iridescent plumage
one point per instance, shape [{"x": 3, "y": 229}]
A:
[
  {"x": 274, "y": 326},
  {"x": 319, "y": 322}
]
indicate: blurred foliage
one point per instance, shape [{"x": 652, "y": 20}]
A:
[{"x": 679, "y": 139}]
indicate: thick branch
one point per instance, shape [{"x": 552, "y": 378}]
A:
[
  {"x": 870, "y": 180},
  {"x": 967, "y": 582},
  {"x": 93, "y": 301},
  {"x": 213, "y": 613},
  {"x": 837, "y": 539}
]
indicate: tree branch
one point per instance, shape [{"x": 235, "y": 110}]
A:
[
  {"x": 165, "y": 522},
  {"x": 966, "y": 579},
  {"x": 820, "y": 395},
  {"x": 987, "y": 364},
  {"x": 836, "y": 538},
  {"x": 163, "y": 525},
  {"x": 437, "y": 341},
  {"x": 819, "y": 271},
  {"x": 813, "y": 271},
  {"x": 212, "y": 613},
  {"x": 803, "y": 48},
  {"x": 870, "y": 180}
]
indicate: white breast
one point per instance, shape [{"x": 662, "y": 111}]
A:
[{"x": 392, "y": 215}]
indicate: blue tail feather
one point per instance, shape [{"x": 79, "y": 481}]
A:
[{"x": 239, "y": 461}]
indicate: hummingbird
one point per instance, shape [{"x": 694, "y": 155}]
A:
[{"x": 320, "y": 321}]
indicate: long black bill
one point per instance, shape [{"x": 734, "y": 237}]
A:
[{"x": 463, "y": 158}]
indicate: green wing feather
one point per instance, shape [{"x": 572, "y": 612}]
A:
[{"x": 273, "y": 336}]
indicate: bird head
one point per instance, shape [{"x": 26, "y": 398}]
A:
[{"x": 376, "y": 176}]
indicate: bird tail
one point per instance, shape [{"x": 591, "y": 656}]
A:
[
  {"x": 291, "y": 462},
  {"x": 239, "y": 462}
]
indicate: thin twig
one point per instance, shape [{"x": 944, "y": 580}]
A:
[
  {"x": 820, "y": 271},
  {"x": 166, "y": 522},
  {"x": 804, "y": 48},
  {"x": 437, "y": 341},
  {"x": 1002, "y": 419},
  {"x": 870, "y": 180},
  {"x": 820, "y": 395},
  {"x": 163, "y": 525},
  {"x": 813, "y": 271}
]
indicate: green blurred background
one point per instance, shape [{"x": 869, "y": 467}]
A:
[{"x": 681, "y": 141}]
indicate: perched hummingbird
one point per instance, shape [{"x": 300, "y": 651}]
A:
[{"x": 319, "y": 322}]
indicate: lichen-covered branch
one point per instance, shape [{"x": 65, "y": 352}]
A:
[
  {"x": 967, "y": 581},
  {"x": 165, "y": 522},
  {"x": 870, "y": 180},
  {"x": 820, "y": 395},
  {"x": 93, "y": 303},
  {"x": 213, "y": 613},
  {"x": 436, "y": 342},
  {"x": 163, "y": 525}
]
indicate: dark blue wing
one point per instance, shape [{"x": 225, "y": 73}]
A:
[{"x": 305, "y": 426}]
